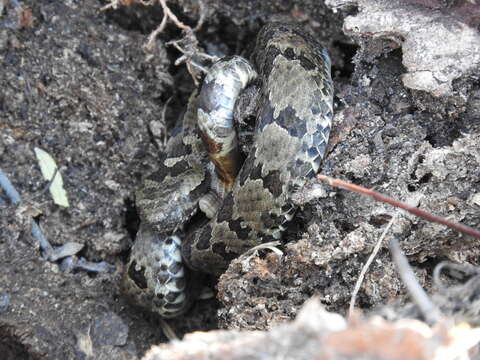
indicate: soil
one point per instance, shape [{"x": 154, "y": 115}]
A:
[{"x": 80, "y": 83}]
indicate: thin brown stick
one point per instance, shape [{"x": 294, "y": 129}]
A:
[
  {"x": 411, "y": 209},
  {"x": 374, "y": 253},
  {"x": 173, "y": 17},
  {"x": 175, "y": 43},
  {"x": 167, "y": 14},
  {"x": 203, "y": 15},
  {"x": 154, "y": 33}
]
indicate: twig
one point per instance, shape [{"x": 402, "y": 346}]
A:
[
  {"x": 154, "y": 34},
  {"x": 428, "y": 309},
  {"x": 367, "y": 265},
  {"x": 172, "y": 16},
  {"x": 45, "y": 245},
  {"x": 189, "y": 53},
  {"x": 203, "y": 13},
  {"x": 211, "y": 58},
  {"x": 411, "y": 209},
  {"x": 272, "y": 245},
  {"x": 15, "y": 199},
  {"x": 49, "y": 252},
  {"x": 72, "y": 263},
  {"x": 9, "y": 189},
  {"x": 114, "y": 3},
  {"x": 466, "y": 269},
  {"x": 167, "y": 14},
  {"x": 251, "y": 253},
  {"x": 191, "y": 50}
]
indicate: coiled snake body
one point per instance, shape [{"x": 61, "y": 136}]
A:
[{"x": 248, "y": 204}]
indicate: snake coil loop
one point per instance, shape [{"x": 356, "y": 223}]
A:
[{"x": 248, "y": 203}]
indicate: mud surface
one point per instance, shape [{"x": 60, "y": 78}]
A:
[{"x": 77, "y": 82}]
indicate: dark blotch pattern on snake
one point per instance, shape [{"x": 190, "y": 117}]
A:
[{"x": 248, "y": 204}]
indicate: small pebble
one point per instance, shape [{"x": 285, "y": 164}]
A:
[{"x": 4, "y": 302}]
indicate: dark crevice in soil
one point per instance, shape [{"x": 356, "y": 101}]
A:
[
  {"x": 379, "y": 220},
  {"x": 132, "y": 221},
  {"x": 443, "y": 134},
  {"x": 348, "y": 50},
  {"x": 12, "y": 348},
  {"x": 137, "y": 17},
  {"x": 429, "y": 264}
]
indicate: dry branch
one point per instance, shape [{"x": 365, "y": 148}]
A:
[{"x": 411, "y": 209}]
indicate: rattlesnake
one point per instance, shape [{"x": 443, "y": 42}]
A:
[{"x": 294, "y": 114}]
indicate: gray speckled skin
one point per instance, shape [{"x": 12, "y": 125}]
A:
[
  {"x": 180, "y": 179},
  {"x": 292, "y": 129},
  {"x": 155, "y": 277}
]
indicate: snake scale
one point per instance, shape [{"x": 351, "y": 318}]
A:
[{"x": 245, "y": 203}]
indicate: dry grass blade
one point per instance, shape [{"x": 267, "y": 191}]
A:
[{"x": 374, "y": 253}]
